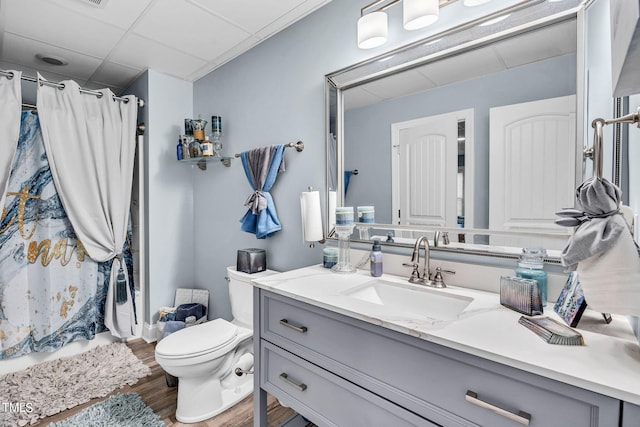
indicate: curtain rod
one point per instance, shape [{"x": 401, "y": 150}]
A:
[{"x": 10, "y": 75}]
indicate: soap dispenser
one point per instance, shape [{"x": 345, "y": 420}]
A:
[
  {"x": 530, "y": 266},
  {"x": 375, "y": 259}
]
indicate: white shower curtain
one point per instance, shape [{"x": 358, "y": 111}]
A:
[
  {"x": 10, "y": 109},
  {"x": 90, "y": 142}
]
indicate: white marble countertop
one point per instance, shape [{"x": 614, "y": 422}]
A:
[{"x": 608, "y": 363}]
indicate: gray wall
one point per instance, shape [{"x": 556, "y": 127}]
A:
[
  {"x": 169, "y": 218},
  {"x": 368, "y": 129},
  {"x": 275, "y": 94}
]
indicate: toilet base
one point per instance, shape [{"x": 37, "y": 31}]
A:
[{"x": 196, "y": 404}]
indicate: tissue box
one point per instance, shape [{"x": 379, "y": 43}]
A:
[{"x": 251, "y": 260}]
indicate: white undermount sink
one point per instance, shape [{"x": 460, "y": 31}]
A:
[{"x": 410, "y": 299}]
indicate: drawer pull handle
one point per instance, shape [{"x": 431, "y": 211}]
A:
[
  {"x": 301, "y": 329},
  {"x": 284, "y": 377},
  {"x": 521, "y": 417}
]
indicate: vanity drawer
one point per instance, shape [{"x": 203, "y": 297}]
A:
[
  {"x": 324, "y": 398},
  {"x": 447, "y": 386}
]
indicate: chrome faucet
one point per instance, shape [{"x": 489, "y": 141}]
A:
[{"x": 424, "y": 277}]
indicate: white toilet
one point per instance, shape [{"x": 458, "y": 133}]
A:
[{"x": 204, "y": 357}]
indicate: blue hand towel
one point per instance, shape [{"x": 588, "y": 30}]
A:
[{"x": 261, "y": 166}]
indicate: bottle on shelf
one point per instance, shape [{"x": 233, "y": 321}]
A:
[
  {"x": 207, "y": 147},
  {"x": 185, "y": 147},
  {"x": 194, "y": 149},
  {"x": 216, "y": 135},
  {"x": 179, "y": 152}
]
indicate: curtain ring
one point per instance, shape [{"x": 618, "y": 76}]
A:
[
  {"x": 61, "y": 86},
  {"x": 113, "y": 98},
  {"x": 99, "y": 95},
  {"x": 11, "y": 75}
]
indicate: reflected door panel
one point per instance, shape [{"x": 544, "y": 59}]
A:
[
  {"x": 532, "y": 165},
  {"x": 424, "y": 171}
]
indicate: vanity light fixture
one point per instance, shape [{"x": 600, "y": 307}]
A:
[{"x": 373, "y": 27}]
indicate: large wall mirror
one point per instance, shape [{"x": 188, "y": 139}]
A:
[{"x": 476, "y": 132}]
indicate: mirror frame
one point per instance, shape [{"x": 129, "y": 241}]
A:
[{"x": 524, "y": 16}]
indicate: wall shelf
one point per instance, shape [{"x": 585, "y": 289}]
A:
[{"x": 201, "y": 162}]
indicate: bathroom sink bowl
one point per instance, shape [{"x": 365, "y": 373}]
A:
[{"x": 416, "y": 300}]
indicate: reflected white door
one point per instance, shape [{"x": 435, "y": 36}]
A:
[
  {"x": 532, "y": 166},
  {"x": 425, "y": 167}
]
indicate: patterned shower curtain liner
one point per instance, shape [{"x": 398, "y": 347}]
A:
[{"x": 51, "y": 291}]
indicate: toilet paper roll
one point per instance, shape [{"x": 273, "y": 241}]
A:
[
  {"x": 311, "y": 216},
  {"x": 245, "y": 363},
  {"x": 332, "y": 209}
]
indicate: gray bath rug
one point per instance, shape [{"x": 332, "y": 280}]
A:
[
  {"x": 120, "y": 410},
  {"x": 50, "y": 387}
]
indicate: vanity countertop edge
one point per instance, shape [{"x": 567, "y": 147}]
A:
[{"x": 608, "y": 363}]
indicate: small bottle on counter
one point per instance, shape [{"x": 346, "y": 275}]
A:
[
  {"x": 530, "y": 266},
  {"x": 375, "y": 259},
  {"x": 179, "y": 152}
]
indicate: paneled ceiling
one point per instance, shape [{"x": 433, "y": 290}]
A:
[{"x": 109, "y": 43}]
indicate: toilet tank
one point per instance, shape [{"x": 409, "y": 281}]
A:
[{"x": 241, "y": 294}]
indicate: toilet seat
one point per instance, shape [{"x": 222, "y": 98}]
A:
[{"x": 199, "y": 340}]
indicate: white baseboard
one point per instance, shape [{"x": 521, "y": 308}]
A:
[{"x": 150, "y": 332}]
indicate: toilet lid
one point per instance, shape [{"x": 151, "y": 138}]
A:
[{"x": 197, "y": 340}]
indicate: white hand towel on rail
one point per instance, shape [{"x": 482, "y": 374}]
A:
[{"x": 611, "y": 280}]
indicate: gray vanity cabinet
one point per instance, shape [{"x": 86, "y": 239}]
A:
[
  {"x": 340, "y": 371},
  {"x": 630, "y": 415}
]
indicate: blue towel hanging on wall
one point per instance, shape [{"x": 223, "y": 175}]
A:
[{"x": 261, "y": 166}]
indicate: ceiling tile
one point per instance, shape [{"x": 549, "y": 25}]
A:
[
  {"x": 115, "y": 74},
  {"x": 456, "y": 68},
  {"x": 46, "y": 22},
  {"x": 119, "y": 13},
  {"x": 20, "y": 50},
  {"x": 249, "y": 14},
  {"x": 536, "y": 45},
  {"x": 290, "y": 17},
  {"x": 137, "y": 52},
  {"x": 401, "y": 84},
  {"x": 235, "y": 51},
  {"x": 183, "y": 26},
  {"x": 359, "y": 97}
]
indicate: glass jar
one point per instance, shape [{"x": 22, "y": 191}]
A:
[
  {"x": 329, "y": 257},
  {"x": 531, "y": 266}
]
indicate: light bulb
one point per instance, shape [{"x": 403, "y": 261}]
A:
[
  {"x": 372, "y": 30},
  {"x": 419, "y": 13}
]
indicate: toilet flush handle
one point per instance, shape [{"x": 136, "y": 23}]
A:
[{"x": 240, "y": 372}]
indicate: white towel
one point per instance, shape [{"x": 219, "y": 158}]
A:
[{"x": 611, "y": 280}]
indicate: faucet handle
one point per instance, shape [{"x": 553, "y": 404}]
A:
[
  {"x": 438, "y": 280},
  {"x": 415, "y": 274}
]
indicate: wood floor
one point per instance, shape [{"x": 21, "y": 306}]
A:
[{"x": 162, "y": 399}]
